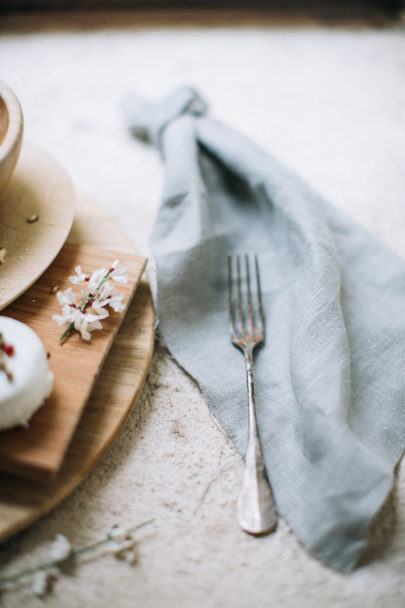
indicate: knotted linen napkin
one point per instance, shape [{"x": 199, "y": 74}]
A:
[{"x": 330, "y": 379}]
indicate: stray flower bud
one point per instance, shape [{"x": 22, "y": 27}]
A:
[
  {"x": 131, "y": 556},
  {"x": 124, "y": 549}
]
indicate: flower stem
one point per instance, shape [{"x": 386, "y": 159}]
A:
[
  {"x": 66, "y": 333},
  {"x": 75, "y": 553}
]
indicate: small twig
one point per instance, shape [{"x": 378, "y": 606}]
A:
[{"x": 6, "y": 580}]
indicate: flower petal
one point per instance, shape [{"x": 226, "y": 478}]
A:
[
  {"x": 79, "y": 277},
  {"x": 120, "y": 275},
  {"x": 117, "y": 533},
  {"x": 100, "y": 308},
  {"x": 116, "y": 302},
  {"x": 61, "y": 548},
  {"x": 96, "y": 278},
  {"x": 66, "y": 297},
  {"x": 59, "y": 319}
]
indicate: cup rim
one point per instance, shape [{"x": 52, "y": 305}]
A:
[{"x": 13, "y": 136}]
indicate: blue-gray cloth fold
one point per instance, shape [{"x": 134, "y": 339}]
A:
[{"x": 330, "y": 379}]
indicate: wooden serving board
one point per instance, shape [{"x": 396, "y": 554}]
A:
[
  {"x": 116, "y": 390},
  {"x": 37, "y": 451}
]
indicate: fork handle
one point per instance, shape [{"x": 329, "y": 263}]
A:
[{"x": 257, "y": 512}]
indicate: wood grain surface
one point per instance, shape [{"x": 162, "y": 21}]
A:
[
  {"x": 36, "y": 215},
  {"x": 37, "y": 451},
  {"x": 116, "y": 390}
]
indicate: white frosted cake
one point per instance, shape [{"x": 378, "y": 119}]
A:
[{"x": 25, "y": 378}]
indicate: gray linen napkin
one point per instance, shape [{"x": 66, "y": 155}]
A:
[{"x": 330, "y": 379}]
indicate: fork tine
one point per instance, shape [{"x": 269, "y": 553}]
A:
[
  {"x": 245, "y": 309},
  {"x": 260, "y": 316},
  {"x": 249, "y": 296},
  {"x": 239, "y": 292},
  {"x": 230, "y": 297}
]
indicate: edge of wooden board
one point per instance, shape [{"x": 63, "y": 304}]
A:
[{"x": 24, "y": 501}]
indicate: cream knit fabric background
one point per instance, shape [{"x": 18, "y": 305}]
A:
[{"x": 330, "y": 104}]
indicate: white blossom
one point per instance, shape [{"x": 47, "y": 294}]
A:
[
  {"x": 85, "y": 323},
  {"x": 108, "y": 296},
  {"x": 125, "y": 549},
  {"x": 117, "y": 533},
  {"x": 105, "y": 291},
  {"x": 102, "y": 297},
  {"x": 66, "y": 297},
  {"x": 120, "y": 275},
  {"x": 86, "y": 316},
  {"x": 61, "y": 548},
  {"x": 119, "y": 542},
  {"x": 131, "y": 556},
  {"x": 96, "y": 278},
  {"x": 79, "y": 277},
  {"x": 68, "y": 315},
  {"x": 116, "y": 302},
  {"x": 99, "y": 307},
  {"x": 44, "y": 581},
  {"x": 123, "y": 544}
]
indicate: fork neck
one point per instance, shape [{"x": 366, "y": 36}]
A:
[
  {"x": 253, "y": 431},
  {"x": 248, "y": 352}
]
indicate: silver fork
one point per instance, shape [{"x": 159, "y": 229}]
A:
[{"x": 257, "y": 512}]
